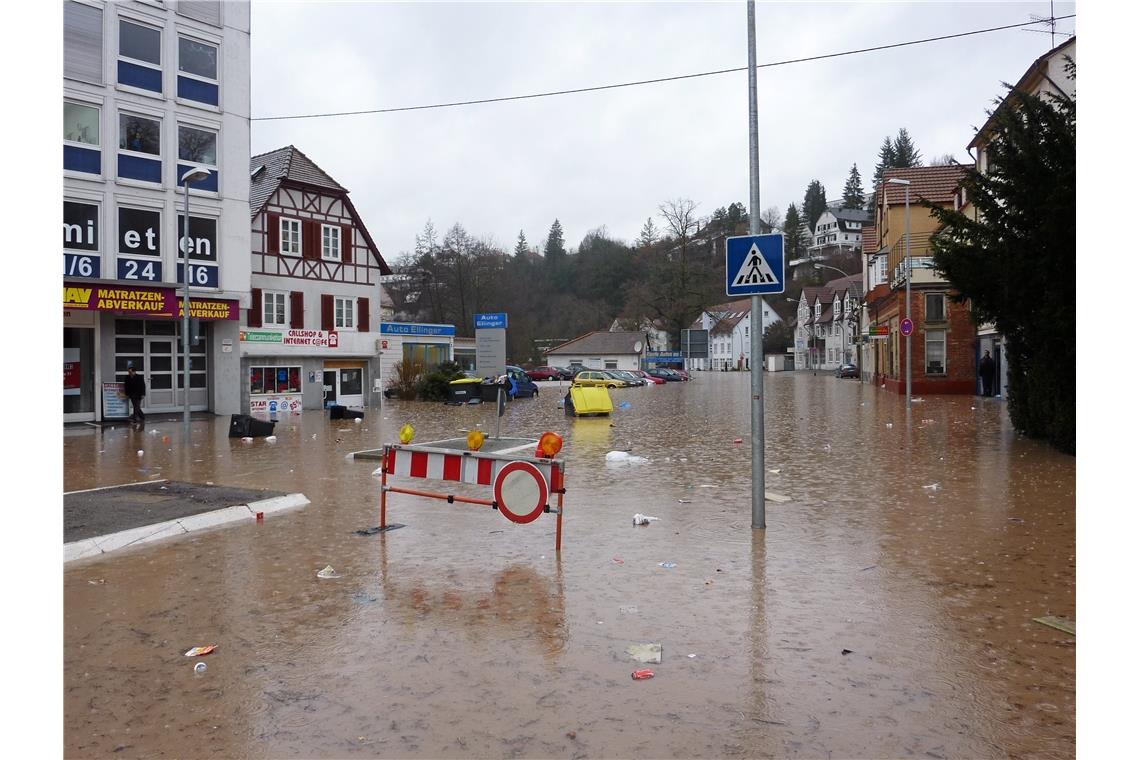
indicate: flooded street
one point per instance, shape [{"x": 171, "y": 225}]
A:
[{"x": 886, "y": 611}]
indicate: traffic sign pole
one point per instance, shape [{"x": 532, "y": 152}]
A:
[{"x": 757, "y": 368}]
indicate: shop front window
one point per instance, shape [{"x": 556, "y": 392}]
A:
[
  {"x": 78, "y": 370},
  {"x": 266, "y": 380}
]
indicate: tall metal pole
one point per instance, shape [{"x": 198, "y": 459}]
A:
[
  {"x": 757, "y": 337},
  {"x": 908, "y": 337},
  {"x": 186, "y": 311}
]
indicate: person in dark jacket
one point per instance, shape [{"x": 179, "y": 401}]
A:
[
  {"x": 135, "y": 388},
  {"x": 986, "y": 372}
]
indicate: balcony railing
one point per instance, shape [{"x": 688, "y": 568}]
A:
[{"x": 898, "y": 275}]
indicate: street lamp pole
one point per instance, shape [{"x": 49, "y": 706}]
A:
[
  {"x": 195, "y": 174},
  {"x": 906, "y": 183}
]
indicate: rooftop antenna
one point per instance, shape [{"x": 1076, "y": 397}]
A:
[{"x": 1052, "y": 19}]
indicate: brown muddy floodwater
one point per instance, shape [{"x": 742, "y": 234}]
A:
[{"x": 463, "y": 635}]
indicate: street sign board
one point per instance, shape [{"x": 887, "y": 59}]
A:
[
  {"x": 754, "y": 264},
  {"x": 906, "y": 327},
  {"x": 695, "y": 343},
  {"x": 491, "y": 320}
]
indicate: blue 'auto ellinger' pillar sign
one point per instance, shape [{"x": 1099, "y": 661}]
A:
[
  {"x": 491, "y": 344},
  {"x": 754, "y": 264}
]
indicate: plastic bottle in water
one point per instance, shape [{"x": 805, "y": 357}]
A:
[{"x": 200, "y": 667}]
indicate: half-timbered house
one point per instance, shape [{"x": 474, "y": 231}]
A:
[{"x": 311, "y": 336}]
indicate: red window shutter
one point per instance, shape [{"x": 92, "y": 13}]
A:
[
  {"x": 297, "y": 310},
  {"x": 311, "y": 239},
  {"x": 362, "y": 312},
  {"x": 346, "y": 243},
  {"x": 253, "y": 319},
  {"x": 327, "y": 312},
  {"x": 273, "y": 222}
]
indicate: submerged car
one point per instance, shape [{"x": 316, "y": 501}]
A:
[
  {"x": 544, "y": 373},
  {"x": 847, "y": 370},
  {"x": 664, "y": 374},
  {"x": 648, "y": 378},
  {"x": 625, "y": 374},
  {"x": 597, "y": 377}
]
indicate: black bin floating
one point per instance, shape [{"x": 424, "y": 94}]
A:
[
  {"x": 244, "y": 426},
  {"x": 338, "y": 412}
]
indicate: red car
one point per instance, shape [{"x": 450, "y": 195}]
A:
[
  {"x": 543, "y": 373},
  {"x": 648, "y": 377}
]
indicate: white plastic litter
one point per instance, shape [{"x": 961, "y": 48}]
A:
[
  {"x": 931, "y": 487},
  {"x": 775, "y": 472},
  {"x": 358, "y": 420},
  {"x": 154, "y": 432},
  {"x": 247, "y": 439},
  {"x": 378, "y": 472},
  {"x": 140, "y": 452},
  {"x": 889, "y": 426},
  {"x": 327, "y": 572},
  {"x": 271, "y": 439},
  {"x": 625, "y": 457},
  {"x": 640, "y": 519}
]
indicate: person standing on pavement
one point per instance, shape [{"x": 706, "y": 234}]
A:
[
  {"x": 986, "y": 372},
  {"x": 135, "y": 388}
]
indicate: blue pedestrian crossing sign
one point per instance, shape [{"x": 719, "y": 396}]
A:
[{"x": 754, "y": 264}]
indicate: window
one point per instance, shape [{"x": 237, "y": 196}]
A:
[
  {"x": 140, "y": 56},
  {"x": 264, "y": 380},
  {"x": 199, "y": 146},
  {"x": 291, "y": 236},
  {"x": 197, "y": 71},
  {"x": 83, "y": 42},
  {"x": 140, "y": 43},
  {"x": 197, "y": 58},
  {"x": 935, "y": 307},
  {"x": 273, "y": 309},
  {"x": 330, "y": 242},
  {"x": 936, "y": 352},
  {"x": 139, "y": 134},
  {"x": 344, "y": 313},
  {"x": 611, "y": 364},
  {"x": 80, "y": 123}
]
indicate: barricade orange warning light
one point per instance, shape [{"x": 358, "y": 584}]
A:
[{"x": 549, "y": 444}]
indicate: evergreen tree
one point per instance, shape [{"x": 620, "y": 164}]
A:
[
  {"x": 649, "y": 234},
  {"x": 886, "y": 161},
  {"x": 522, "y": 248},
  {"x": 815, "y": 203},
  {"x": 853, "y": 190},
  {"x": 795, "y": 242},
  {"x": 1005, "y": 257},
  {"x": 906, "y": 155},
  {"x": 555, "y": 246}
]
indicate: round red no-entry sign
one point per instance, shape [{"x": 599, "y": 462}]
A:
[
  {"x": 520, "y": 486},
  {"x": 906, "y": 327}
]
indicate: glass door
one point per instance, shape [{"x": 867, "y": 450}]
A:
[
  {"x": 159, "y": 375},
  {"x": 350, "y": 386}
]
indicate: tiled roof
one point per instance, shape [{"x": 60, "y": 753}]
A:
[
  {"x": 268, "y": 170},
  {"x": 852, "y": 215},
  {"x": 283, "y": 163},
  {"x": 870, "y": 239},
  {"x": 934, "y": 183},
  {"x": 602, "y": 343}
]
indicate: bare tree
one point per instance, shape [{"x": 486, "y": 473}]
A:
[
  {"x": 946, "y": 159},
  {"x": 772, "y": 217}
]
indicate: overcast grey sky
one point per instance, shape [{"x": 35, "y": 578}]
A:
[{"x": 609, "y": 158}]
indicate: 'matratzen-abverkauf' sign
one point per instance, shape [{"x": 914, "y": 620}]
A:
[{"x": 144, "y": 301}]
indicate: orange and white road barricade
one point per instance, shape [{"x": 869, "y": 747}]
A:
[{"x": 522, "y": 487}]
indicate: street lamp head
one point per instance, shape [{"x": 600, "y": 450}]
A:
[
  {"x": 195, "y": 174},
  {"x": 897, "y": 181}
]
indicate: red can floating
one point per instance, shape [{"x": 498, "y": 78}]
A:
[{"x": 641, "y": 675}]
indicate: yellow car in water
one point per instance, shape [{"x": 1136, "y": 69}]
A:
[{"x": 596, "y": 379}]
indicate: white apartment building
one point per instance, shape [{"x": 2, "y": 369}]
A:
[
  {"x": 730, "y": 334},
  {"x": 839, "y": 230},
  {"x": 152, "y": 90}
]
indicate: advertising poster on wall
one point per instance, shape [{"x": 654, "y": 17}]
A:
[
  {"x": 282, "y": 403},
  {"x": 72, "y": 377}
]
